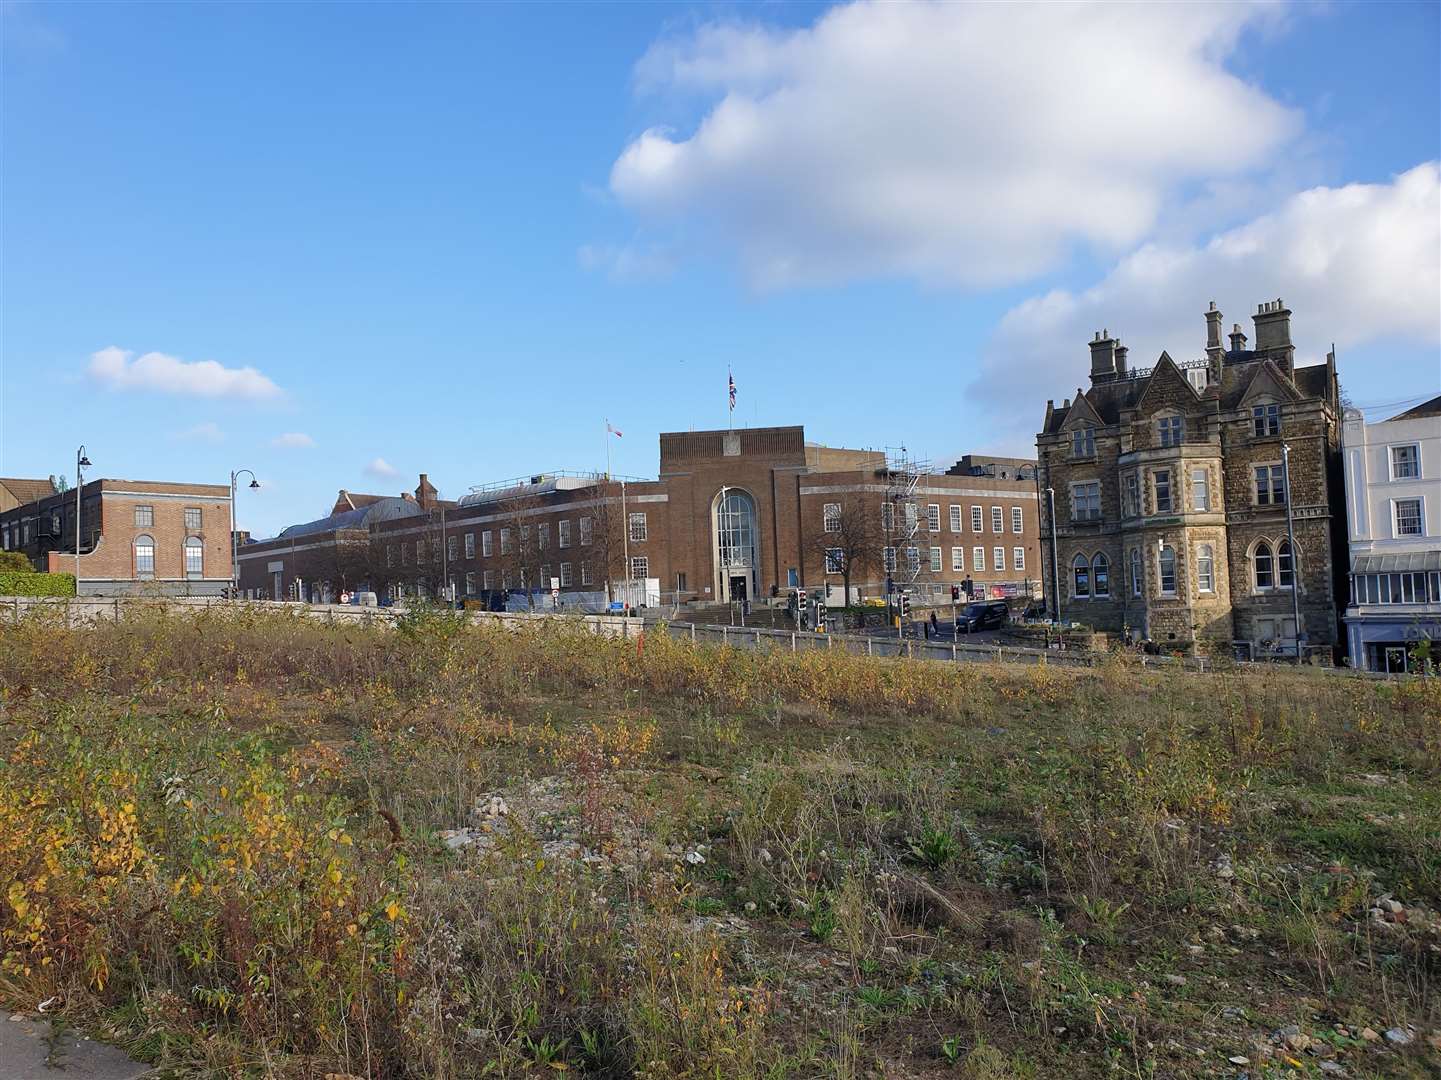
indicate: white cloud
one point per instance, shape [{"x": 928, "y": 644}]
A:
[
  {"x": 292, "y": 440},
  {"x": 626, "y": 263},
  {"x": 114, "y": 368},
  {"x": 971, "y": 144},
  {"x": 208, "y": 432},
  {"x": 381, "y": 469},
  {"x": 1357, "y": 264}
]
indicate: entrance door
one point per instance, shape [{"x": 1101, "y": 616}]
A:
[
  {"x": 738, "y": 587},
  {"x": 1393, "y": 659},
  {"x": 278, "y": 583}
]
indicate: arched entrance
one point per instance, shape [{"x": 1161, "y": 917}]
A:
[{"x": 733, "y": 528}]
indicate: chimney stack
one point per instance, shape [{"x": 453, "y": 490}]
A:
[
  {"x": 1103, "y": 357},
  {"x": 1121, "y": 352},
  {"x": 425, "y": 493},
  {"x": 1214, "y": 348},
  {"x": 1273, "y": 333},
  {"x": 1238, "y": 339}
]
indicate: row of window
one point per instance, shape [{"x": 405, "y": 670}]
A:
[
  {"x": 637, "y": 528},
  {"x": 835, "y": 559},
  {"x": 491, "y": 579},
  {"x": 144, "y": 551},
  {"x": 145, "y": 517},
  {"x": 1171, "y": 430},
  {"x": 831, "y": 518},
  {"x": 1272, "y": 567},
  {"x": 1408, "y": 588},
  {"x": 1269, "y": 489}
]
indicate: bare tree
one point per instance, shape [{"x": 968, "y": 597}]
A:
[
  {"x": 849, "y": 541},
  {"x": 605, "y": 548},
  {"x": 522, "y": 556}
]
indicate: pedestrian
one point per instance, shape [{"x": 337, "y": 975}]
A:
[{"x": 935, "y": 626}]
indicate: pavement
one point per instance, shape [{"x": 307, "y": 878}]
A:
[{"x": 30, "y": 1051}]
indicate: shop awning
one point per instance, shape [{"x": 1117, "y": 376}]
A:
[{"x": 1404, "y": 562}]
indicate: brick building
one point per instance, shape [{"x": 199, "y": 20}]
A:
[
  {"x": 748, "y": 513},
  {"x": 1170, "y": 503},
  {"x": 136, "y": 536}
]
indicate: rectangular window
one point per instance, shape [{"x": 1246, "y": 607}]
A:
[
  {"x": 976, "y": 519},
  {"x": 584, "y": 571},
  {"x": 419, "y": 552},
  {"x": 470, "y": 583},
  {"x": 1200, "y": 490},
  {"x": 1083, "y": 442},
  {"x": 543, "y": 535},
  {"x": 1172, "y": 429},
  {"x": 1136, "y": 576},
  {"x": 978, "y": 559},
  {"x": 505, "y": 544},
  {"x": 998, "y": 559},
  {"x": 997, "y": 520},
  {"x": 487, "y": 580},
  {"x": 1408, "y": 517},
  {"x": 680, "y": 582},
  {"x": 913, "y": 560},
  {"x": 639, "y": 567},
  {"x": 1017, "y": 520},
  {"x": 912, "y": 515},
  {"x": 505, "y": 579},
  {"x": 1266, "y": 420},
  {"x": 1167, "y": 567},
  {"x": 525, "y": 538},
  {"x": 955, "y": 519},
  {"x": 1205, "y": 569},
  {"x": 831, "y": 517},
  {"x": 565, "y": 570},
  {"x": 587, "y": 532},
  {"x": 888, "y": 517},
  {"x": 145, "y": 517},
  {"x": 1085, "y": 501},
  {"x": 1018, "y": 558},
  {"x": 637, "y": 528},
  {"x": 835, "y": 560},
  {"x": 933, "y": 517},
  {"x": 1406, "y": 462},
  {"x": 450, "y": 549},
  {"x": 487, "y": 548},
  {"x": 563, "y": 531},
  {"x": 958, "y": 560},
  {"x": 1162, "y": 478},
  {"x": 192, "y": 517},
  {"x": 888, "y": 559},
  {"x": 1131, "y": 495},
  {"x": 1270, "y": 485},
  {"x": 936, "y": 565},
  {"x": 404, "y": 554},
  {"x": 470, "y": 545}
]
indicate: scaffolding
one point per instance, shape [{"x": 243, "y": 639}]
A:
[{"x": 902, "y": 520}]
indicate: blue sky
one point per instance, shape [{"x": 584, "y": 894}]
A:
[{"x": 456, "y": 239}]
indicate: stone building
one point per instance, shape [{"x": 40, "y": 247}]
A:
[
  {"x": 1170, "y": 497},
  {"x": 136, "y": 536},
  {"x": 738, "y": 514}
]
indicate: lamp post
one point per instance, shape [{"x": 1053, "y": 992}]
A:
[
  {"x": 235, "y": 474},
  {"x": 80, "y": 462}
]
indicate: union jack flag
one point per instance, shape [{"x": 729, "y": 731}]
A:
[
  {"x": 732, "y": 380},
  {"x": 613, "y": 430}
]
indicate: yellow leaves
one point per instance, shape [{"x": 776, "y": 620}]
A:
[{"x": 392, "y": 911}]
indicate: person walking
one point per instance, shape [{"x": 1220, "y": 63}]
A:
[{"x": 935, "y": 626}]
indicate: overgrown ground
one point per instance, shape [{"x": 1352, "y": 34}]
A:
[{"x": 260, "y": 845}]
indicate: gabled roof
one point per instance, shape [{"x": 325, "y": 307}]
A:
[
  {"x": 27, "y": 491},
  {"x": 1419, "y": 412},
  {"x": 1269, "y": 379},
  {"x": 1165, "y": 371}
]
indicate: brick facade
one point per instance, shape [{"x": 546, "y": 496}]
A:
[
  {"x": 134, "y": 536},
  {"x": 672, "y": 523},
  {"x": 1164, "y": 525}
]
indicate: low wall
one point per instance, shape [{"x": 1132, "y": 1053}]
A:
[{"x": 77, "y": 611}]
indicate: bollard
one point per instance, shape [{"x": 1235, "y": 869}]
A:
[
  {"x": 692, "y": 633},
  {"x": 793, "y": 641}
]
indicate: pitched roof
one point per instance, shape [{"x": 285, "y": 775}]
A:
[
  {"x": 1419, "y": 412},
  {"x": 27, "y": 491}
]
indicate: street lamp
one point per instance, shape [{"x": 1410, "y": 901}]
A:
[
  {"x": 234, "y": 545},
  {"x": 81, "y": 461}
]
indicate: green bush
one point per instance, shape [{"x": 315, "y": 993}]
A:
[
  {"x": 13, "y": 560},
  {"x": 29, "y": 583}
]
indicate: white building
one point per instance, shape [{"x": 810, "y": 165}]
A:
[{"x": 1393, "y": 514}]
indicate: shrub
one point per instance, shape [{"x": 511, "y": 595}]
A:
[{"x": 26, "y": 582}]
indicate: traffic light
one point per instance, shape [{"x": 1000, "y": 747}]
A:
[
  {"x": 955, "y": 593},
  {"x": 905, "y": 605}
]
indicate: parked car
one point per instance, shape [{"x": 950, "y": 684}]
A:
[{"x": 986, "y": 616}]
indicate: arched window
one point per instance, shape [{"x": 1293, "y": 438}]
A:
[
  {"x": 194, "y": 557},
  {"x": 1101, "y": 574},
  {"x": 1166, "y": 567},
  {"x": 144, "y": 556},
  {"x": 1285, "y": 570},
  {"x": 1205, "y": 569},
  {"x": 1081, "y": 570},
  {"x": 1262, "y": 569},
  {"x": 1136, "y": 575}
]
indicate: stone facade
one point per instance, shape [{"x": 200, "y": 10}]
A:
[{"x": 1170, "y": 502}]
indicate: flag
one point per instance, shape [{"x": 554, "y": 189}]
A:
[
  {"x": 613, "y": 431},
  {"x": 732, "y": 380}
]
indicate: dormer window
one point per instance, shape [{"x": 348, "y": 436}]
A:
[
  {"x": 1266, "y": 419},
  {"x": 1083, "y": 442},
  {"x": 1171, "y": 429}
]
